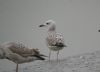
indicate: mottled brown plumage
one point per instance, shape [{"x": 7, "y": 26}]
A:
[{"x": 18, "y": 53}]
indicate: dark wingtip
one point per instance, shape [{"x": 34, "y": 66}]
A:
[
  {"x": 60, "y": 45},
  {"x": 43, "y": 55},
  {"x": 43, "y": 59},
  {"x": 40, "y": 57}
]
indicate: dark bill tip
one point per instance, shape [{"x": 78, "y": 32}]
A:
[{"x": 41, "y": 25}]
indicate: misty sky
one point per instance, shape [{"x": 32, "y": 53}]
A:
[{"x": 77, "y": 20}]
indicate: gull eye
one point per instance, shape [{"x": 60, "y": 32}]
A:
[{"x": 47, "y": 23}]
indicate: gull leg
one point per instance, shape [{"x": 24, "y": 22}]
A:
[
  {"x": 57, "y": 55},
  {"x": 49, "y": 55},
  {"x": 17, "y": 68}
]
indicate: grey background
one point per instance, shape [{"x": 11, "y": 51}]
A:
[{"x": 77, "y": 20}]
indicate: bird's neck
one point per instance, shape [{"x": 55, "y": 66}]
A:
[
  {"x": 51, "y": 33},
  {"x": 52, "y": 28}
]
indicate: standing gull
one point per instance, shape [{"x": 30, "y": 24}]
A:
[
  {"x": 55, "y": 41},
  {"x": 18, "y": 53}
]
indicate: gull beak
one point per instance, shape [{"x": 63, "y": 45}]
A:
[{"x": 41, "y": 25}]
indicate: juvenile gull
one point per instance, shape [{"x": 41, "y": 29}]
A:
[
  {"x": 54, "y": 40},
  {"x": 18, "y": 53}
]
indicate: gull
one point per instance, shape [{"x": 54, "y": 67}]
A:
[
  {"x": 54, "y": 40},
  {"x": 18, "y": 53}
]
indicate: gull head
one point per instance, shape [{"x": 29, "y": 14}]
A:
[
  {"x": 47, "y": 23},
  {"x": 50, "y": 24}
]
